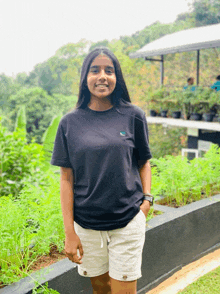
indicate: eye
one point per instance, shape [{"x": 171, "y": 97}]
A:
[
  {"x": 109, "y": 71},
  {"x": 95, "y": 70}
]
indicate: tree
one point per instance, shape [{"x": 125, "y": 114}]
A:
[
  {"x": 21, "y": 78},
  {"x": 72, "y": 55},
  {"x": 7, "y": 87},
  {"x": 47, "y": 80},
  {"x": 104, "y": 43},
  {"x": 40, "y": 109},
  {"x": 206, "y": 12}
]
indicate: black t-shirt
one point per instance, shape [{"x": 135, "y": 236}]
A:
[{"x": 103, "y": 149}]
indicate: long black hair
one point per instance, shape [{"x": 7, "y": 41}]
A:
[{"x": 120, "y": 93}]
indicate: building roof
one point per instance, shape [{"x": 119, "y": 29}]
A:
[{"x": 186, "y": 40}]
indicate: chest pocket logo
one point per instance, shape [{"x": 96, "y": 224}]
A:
[{"x": 123, "y": 133}]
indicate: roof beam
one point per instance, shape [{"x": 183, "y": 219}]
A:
[{"x": 153, "y": 59}]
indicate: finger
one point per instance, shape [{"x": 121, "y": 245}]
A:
[
  {"x": 81, "y": 252},
  {"x": 75, "y": 258}
]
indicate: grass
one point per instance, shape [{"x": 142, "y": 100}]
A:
[{"x": 208, "y": 284}]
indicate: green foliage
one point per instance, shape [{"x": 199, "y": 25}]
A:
[
  {"x": 166, "y": 140},
  {"x": 7, "y": 88},
  {"x": 30, "y": 226},
  {"x": 43, "y": 289},
  {"x": 18, "y": 160},
  {"x": 21, "y": 119},
  {"x": 97, "y": 44},
  {"x": 40, "y": 109},
  {"x": 183, "y": 181},
  {"x": 206, "y": 12},
  {"x": 208, "y": 284},
  {"x": 46, "y": 79},
  {"x": 21, "y": 79},
  {"x": 49, "y": 137}
]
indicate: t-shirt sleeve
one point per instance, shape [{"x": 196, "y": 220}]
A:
[
  {"x": 142, "y": 149},
  {"x": 213, "y": 86},
  {"x": 60, "y": 156}
]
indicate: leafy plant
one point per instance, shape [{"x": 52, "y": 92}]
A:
[
  {"x": 29, "y": 226},
  {"x": 158, "y": 99},
  {"x": 21, "y": 119},
  {"x": 174, "y": 101},
  {"x": 43, "y": 289},
  {"x": 183, "y": 182},
  {"x": 18, "y": 160},
  {"x": 49, "y": 137}
]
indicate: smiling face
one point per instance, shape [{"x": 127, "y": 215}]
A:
[{"x": 101, "y": 78}]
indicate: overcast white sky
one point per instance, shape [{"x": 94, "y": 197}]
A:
[{"x": 32, "y": 30}]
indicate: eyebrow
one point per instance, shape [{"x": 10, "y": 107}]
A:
[{"x": 96, "y": 66}]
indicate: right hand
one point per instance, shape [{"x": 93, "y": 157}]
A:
[{"x": 73, "y": 243}]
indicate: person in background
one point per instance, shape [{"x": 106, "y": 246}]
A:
[
  {"x": 103, "y": 153},
  {"x": 216, "y": 85},
  {"x": 190, "y": 82}
]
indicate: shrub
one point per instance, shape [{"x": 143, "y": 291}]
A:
[
  {"x": 183, "y": 181},
  {"x": 29, "y": 226},
  {"x": 18, "y": 161}
]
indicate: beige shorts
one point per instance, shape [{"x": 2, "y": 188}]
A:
[{"x": 118, "y": 252}]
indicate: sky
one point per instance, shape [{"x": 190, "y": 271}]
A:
[{"x": 31, "y": 31}]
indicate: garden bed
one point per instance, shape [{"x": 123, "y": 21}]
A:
[
  {"x": 173, "y": 239},
  {"x": 55, "y": 255}
]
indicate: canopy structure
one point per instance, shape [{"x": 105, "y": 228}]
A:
[{"x": 193, "y": 39}]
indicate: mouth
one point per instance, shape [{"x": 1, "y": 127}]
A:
[{"x": 101, "y": 85}]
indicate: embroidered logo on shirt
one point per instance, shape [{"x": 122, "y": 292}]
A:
[{"x": 122, "y": 133}]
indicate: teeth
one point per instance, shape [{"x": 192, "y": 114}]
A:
[{"x": 101, "y": 86}]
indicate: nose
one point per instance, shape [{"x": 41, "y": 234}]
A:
[{"x": 102, "y": 75}]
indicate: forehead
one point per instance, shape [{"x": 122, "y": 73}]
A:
[{"x": 102, "y": 60}]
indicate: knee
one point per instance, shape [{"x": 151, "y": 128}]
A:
[{"x": 101, "y": 287}]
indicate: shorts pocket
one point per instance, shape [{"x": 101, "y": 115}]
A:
[{"x": 141, "y": 212}]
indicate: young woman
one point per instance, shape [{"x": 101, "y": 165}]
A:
[{"x": 102, "y": 149}]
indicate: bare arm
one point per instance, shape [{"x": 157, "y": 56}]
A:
[
  {"x": 145, "y": 175},
  {"x": 66, "y": 198},
  {"x": 72, "y": 241}
]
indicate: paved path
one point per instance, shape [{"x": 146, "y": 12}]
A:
[{"x": 188, "y": 274}]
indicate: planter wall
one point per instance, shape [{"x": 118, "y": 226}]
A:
[{"x": 173, "y": 239}]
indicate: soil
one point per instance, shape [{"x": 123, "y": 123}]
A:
[
  {"x": 45, "y": 260},
  {"x": 165, "y": 201}
]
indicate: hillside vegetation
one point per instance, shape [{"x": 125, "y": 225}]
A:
[{"x": 52, "y": 87}]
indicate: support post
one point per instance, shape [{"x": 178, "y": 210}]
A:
[
  {"x": 197, "y": 72},
  {"x": 161, "y": 70}
]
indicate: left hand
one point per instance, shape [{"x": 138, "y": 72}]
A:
[{"x": 145, "y": 207}]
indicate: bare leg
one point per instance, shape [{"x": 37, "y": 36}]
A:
[
  {"x": 101, "y": 284},
  {"x": 121, "y": 287}
]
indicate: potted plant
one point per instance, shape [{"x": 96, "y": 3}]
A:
[
  {"x": 175, "y": 104},
  {"x": 212, "y": 105},
  {"x": 195, "y": 103},
  {"x": 203, "y": 100},
  {"x": 187, "y": 99},
  {"x": 155, "y": 103}
]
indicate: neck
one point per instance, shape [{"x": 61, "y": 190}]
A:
[{"x": 100, "y": 104}]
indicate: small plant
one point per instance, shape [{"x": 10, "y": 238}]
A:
[
  {"x": 156, "y": 98},
  {"x": 183, "y": 182},
  {"x": 18, "y": 160},
  {"x": 174, "y": 100},
  {"x": 29, "y": 225},
  {"x": 43, "y": 289}
]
